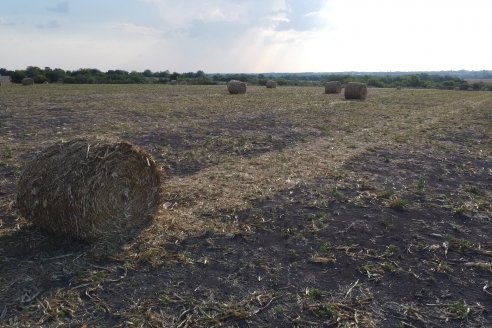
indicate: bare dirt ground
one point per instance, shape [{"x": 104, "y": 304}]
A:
[{"x": 283, "y": 207}]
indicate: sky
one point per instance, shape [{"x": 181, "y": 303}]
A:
[{"x": 247, "y": 36}]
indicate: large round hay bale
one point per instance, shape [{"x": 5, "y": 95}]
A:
[
  {"x": 333, "y": 87},
  {"x": 90, "y": 190},
  {"x": 355, "y": 90},
  {"x": 27, "y": 81},
  {"x": 236, "y": 87},
  {"x": 271, "y": 84}
]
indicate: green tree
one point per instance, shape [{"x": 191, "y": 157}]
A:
[
  {"x": 17, "y": 76},
  {"x": 33, "y": 71}
]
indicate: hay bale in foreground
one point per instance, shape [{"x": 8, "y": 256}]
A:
[
  {"x": 236, "y": 87},
  {"x": 90, "y": 190},
  {"x": 355, "y": 90},
  {"x": 333, "y": 87},
  {"x": 271, "y": 84},
  {"x": 27, "y": 81}
]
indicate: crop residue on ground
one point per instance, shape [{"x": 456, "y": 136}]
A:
[{"x": 291, "y": 207}]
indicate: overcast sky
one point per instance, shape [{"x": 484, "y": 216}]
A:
[{"x": 247, "y": 35}]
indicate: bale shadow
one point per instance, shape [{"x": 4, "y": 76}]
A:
[
  {"x": 32, "y": 266},
  {"x": 42, "y": 277},
  {"x": 30, "y": 242}
]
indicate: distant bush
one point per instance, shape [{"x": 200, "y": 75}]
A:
[
  {"x": 373, "y": 82},
  {"x": 477, "y": 86},
  {"x": 17, "y": 76},
  {"x": 39, "y": 79},
  {"x": 391, "y": 80}
]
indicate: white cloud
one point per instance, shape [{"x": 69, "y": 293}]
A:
[
  {"x": 60, "y": 8},
  {"x": 50, "y": 25},
  {"x": 137, "y": 30},
  {"x": 263, "y": 36},
  {"x": 404, "y": 35},
  {"x": 89, "y": 51},
  {"x": 4, "y": 22},
  {"x": 183, "y": 13}
]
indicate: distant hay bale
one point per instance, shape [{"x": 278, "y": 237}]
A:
[
  {"x": 236, "y": 87},
  {"x": 27, "y": 81},
  {"x": 333, "y": 87},
  {"x": 271, "y": 84},
  {"x": 355, "y": 90},
  {"x": 90, "y": 190}
]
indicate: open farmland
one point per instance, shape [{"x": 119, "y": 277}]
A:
[
  {"x": 486, "y": 81},
  {"x": 282, "y": 207}
]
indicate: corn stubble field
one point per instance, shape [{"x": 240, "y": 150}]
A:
[{"x": 282, "y": 207}]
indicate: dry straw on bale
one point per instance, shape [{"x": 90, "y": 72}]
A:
[
  {"x": 271, "y": 84},
  {"x": 27, "y": 81},
  {"x": 236, "y": 87},
  {"x": 333, "y": 87},
  {"x": 90, "y": 190},
  {"x": 355, "y": 90}
]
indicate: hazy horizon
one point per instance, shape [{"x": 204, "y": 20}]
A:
[{"x": 218, "y": 36}]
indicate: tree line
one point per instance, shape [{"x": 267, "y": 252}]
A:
[{"x": 378, "y": 80}]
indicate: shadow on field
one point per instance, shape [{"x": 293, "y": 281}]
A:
[
  {"x": 373, "y": 246},
  {"x": 437, "y": 177},
  {"x": 194, "y": 148},
  {"x": 33, "y": 265},
  {"x": 463, "y": 137},
  {"x": 306, "y": 249},
  {"x": 44, "y": 278},
  {"x": 294, "y": 247},
  {"x": 52, "y": 120},
  {"x": 405, "y": 166}
]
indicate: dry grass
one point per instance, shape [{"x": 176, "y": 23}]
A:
[
  {"x": 90, "y": 189},
  {"x": 285, "y": 208},
  {"x": 236, "y": 87},
  {"x": 355, "y": 90},
  {"x": 27, "y": 81},
  {"x": 333, "y": 87},
  {"x": 486, "y": 81}
]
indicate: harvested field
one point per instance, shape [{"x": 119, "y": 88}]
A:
[
  {"x": 486, "y": 81},
  {"x": 293, "y": 208}
]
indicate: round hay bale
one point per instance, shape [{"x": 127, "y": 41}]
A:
[
  {"x": 27, "y": 81},
  {"x": 236, "y": 87},
  {"x": 271, "y": 84},
  {"x": 333, "y": 87},
  {"x": 90, "y": 190},
  {"x": 355, "y": 90}
]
